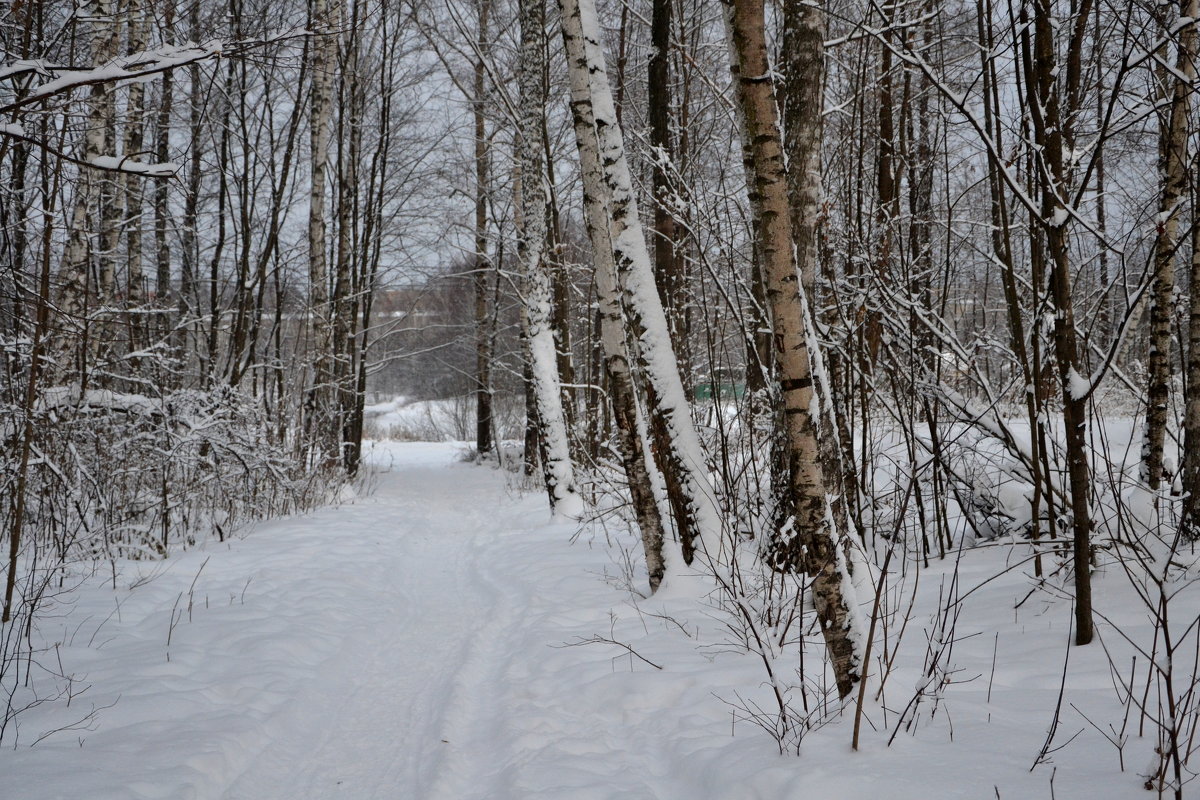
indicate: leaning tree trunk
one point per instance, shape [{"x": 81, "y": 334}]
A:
[
  {"x": 814, "y": 532},
  {"x": 557, "y": 468},
  {"x": 681, "y": 455},
  {"x": 626, "y": 414}
]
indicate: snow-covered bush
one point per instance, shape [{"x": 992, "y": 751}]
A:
[{"x": 112, "y": 476}]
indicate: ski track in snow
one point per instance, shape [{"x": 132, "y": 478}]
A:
[
  {"x": 366, "y": 659},
  {"x": 404, "y": 707}
]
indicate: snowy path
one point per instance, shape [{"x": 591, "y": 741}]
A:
[
  {"x": 359, "y": 652},
  {"x": 416, "y": 645},
  {"x": 391, "y": 708},
  {"x": 408, "y": 645}
]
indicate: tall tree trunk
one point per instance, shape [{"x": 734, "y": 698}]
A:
[
  {"x": 681, "y": 456},
  {"x": 1053, "y": 135},
  {"x": 1105, "y": 312},
  {"x": 630, "y": 442},
  {"x": 189, "y": 243},
  {"x": 1190, "y": 519},
  {"x": 109, "y": 199},
  {"x": 803, "y": 69},
  {"x": 135, "y": 134},
  {"x": 162, "y": 152},
  {"x": 557, "y": 468},
  {"x": 667, "y": 267},
  {"x": 87, "y": 213},
  {"x": 41, "y": 324},
  {"x": 1191, "y": 419},
  {"x": 1173, "y": 160},
  {"x": 324, "y": 437},
  {"x": 814, "y": 531},
  {"x": 482, "y": 267},
  {"x": 1002, "y": 250},
  {"x": 342, "y": 303},
  {"x": 560, "y": 284}
]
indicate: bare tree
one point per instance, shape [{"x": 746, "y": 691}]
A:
[
  {"x": 537, "y": 312},
  {"x": 814, "y": 533}
]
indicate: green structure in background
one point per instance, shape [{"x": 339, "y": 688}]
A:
[{"x": 722, "y": 385}]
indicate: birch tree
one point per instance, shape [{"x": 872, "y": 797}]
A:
[
  {"x": 833, "y": 594},
  {"x": 558, "y": 470},
  {"x": 85, "y": 213},
  {"x": 627, "y": 416},
  {"x": 1190, "y": 467},
  {"x": 1173, "y": 164},
  {"x": 681, "y": 455},
  {"x": 322, "y": 431}
]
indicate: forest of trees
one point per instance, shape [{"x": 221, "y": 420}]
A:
[{"x": 933, "y": 261}]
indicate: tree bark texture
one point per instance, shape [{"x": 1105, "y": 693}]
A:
[
  {"x": 680, "y": 454},
  {"x": 557, "y": 468},
  {"x": 813, "y": 531}
]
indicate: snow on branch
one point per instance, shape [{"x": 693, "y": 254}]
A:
[
  {"x": 134, "y": 66},
  {"x": 127, "y": 164},
  {"x": 122, "y": 164}
]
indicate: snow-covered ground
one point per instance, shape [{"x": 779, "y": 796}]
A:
[
  {"x": 440, "y": 639},
  {"x": 446, "y": 420}
]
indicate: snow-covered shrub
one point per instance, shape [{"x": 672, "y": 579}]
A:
[{"x": 112, "y": 475}]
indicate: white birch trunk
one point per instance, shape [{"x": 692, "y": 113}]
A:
[
  {"x": 1173, "y": 168},
  {"x": 322, "y": 433},
  {"x": 685, "y": 455},
  {"x": 85, "y": 212},
  {"x": 1190, "y": 468},
  {"x": 631, "y": 439},
  {"x": 815, "y": 538},
  {"x": 557, "y": 468}
]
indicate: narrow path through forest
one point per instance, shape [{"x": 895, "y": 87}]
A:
[
  {"x": 400, "y": 708},
  {"x": 361, "y": 651},
  {"x": 455, "y": 598},
  {"x": 411, "y": 643}
]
